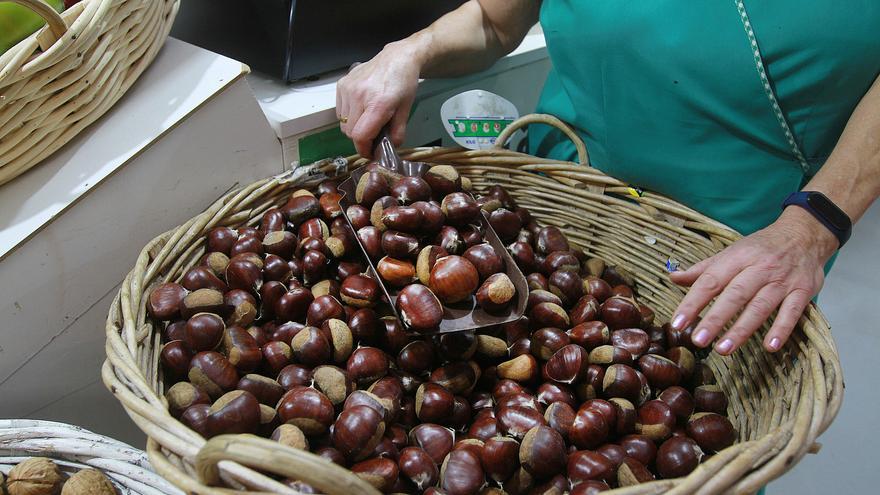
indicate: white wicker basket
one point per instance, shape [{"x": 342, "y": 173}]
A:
[{"x": 73, "y": 448}]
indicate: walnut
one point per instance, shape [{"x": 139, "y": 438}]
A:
[
  {"x": 88, "y": 481},
  {"x": 35, "y": 476}
]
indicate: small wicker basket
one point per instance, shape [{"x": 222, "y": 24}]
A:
[
  {"x": 73, "y": 448},
  {"x": 64, "y": 77},
  {"x": 780, "y": 403}
]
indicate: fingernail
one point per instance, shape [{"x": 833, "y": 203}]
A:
[
  {"x": 678, "y": 321},
  {"x": 724, "y": 346},
  {"x": 701, "y": 337},
  {"x": 775, "y": 343}
]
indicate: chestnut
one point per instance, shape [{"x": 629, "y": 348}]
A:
[
  {"x": 615, "y": 453},
  {"x": 537, "y": 281},
  {"x": 196, "y": 417},
  {"x": 712, "y": 432},
  {"x": 625, "y": 414},
  {"x": 586, "y": 465},
  {"x": 483, "y": 428},
  {"x": 548, "y": 314},
  {"x": 621, "y": 381},
  {"x": 543, "y": 452},
  {"x": 301, "y": 207},
  {"x": 326, "y": 287},
  {"x": 175, "y": 358},
  {"x": 496, "y": 293},
  {"x": 519, "y": 399},
  {"x": 290, "y": 436},
  {"x": 420, "y": 310},
  {"x": 485, "y": 259},
  {"x": 710, "y": 398},
  {"x": 589, "y": 487},
  {"x": 280, "y": 243},
  {"x": 243, "y": 274},
  {"x": 450, "y": 239},
  {"x": 680, "y": 401},
  {"x": 402, "y": 218},
  {"x": 341, "y": 338},
  {"x": 617, "y": 275},
  {"x": 660, "y": 371},
  {"x": 561, "y": 261},
  {"x": 524, "y": 256},
  {"x": 678, "y": 457},
  {"x": 333, "y": 382},
  {"x": 341, "y": 244},
  {"x": 358, "y": 215},
  {"x": 212, "y": 373},
  {"x": 434, "y": 403},
  {"x": 418, "y": 467},
  {"x": 234, "y": 412},
  {"x": 491, "y": 347},
  {"x": 293, "y": 304},
  {"x": 367, "y": 364},
  {"x": 182, "y": 395},
  {"x": 434, "y": 439},
  {"x": 560, "y": 417},
  {"x": 500, "y": 458},
  {"x": 266, "y": 390},
  {"x": 515, "y": 421},
  {"x": 432, "y": 217},
  {"x": 276, "y": 355},
  {"x": 702, "y": 373},
  {"x": 460, "y": 208},
  {"x": 591, "y": 386},
  {"x": 364, "y": 325},
  {"x": 378, "y": 210},
  {"x": 551, "y": 239},
  {"x": 400, "y": 245},
  {"x": 165, "y": 300},
  {"x": 395, "y": 272},
  {"x": 620, "y": 312},
  {"x": 173, "y": 331},
  {"x": 370, "y": 187},
  {"x": 684, "y": 358},
  {"x": 586, "y": 309},
  {"x": 294, "y": 375},
  {"x": 632, "y": 472},
  {"x": 282, "y": 333},
  {"x": 371, "y": 240},
  {"x": 221, "y": 239},
  {"x": 523, "y": 369},
  {"x": 656, "y": 420},
  {"x": 314, "y": 266},
  {"x": 324, "y": 308},
  {"x": 241, "y": 349},
  {"x": 676, "y": 338},
  {"x": 454, "y": 279},
  {"x": 275, "y": 269},
  {"x": 634, "y": 340},
  {"x": 408, "y": 190},
  {"x": 461, "y": 473},
  {"x": 443, "y": 180},
  {"x": 567, "y": 285},
  {"x": 308, "y": 409},
  {"x": 590, "y": 334},
  {"x": 609, "y": 354},
  {"x": 589, "y": 428},
  {"x": 598, "y": 288},
  {"x": 539, "y": 296},
  {"x": 568, "y": 364},
  {"x": 506, "y": 223},
  {"x": 311, "y": 347},
  {"x": 359, "y": 291},
  {"x": 200, "y": 277}
]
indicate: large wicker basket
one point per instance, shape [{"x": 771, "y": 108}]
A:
[
  {"x": 64, "y": 77},
  {"x": 779, "y": 403},
  {"x": 73, "y": 448}
]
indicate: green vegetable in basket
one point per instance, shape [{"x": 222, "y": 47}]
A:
[{"x": 17, "y": 22}]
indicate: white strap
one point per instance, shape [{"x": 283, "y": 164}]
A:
[{"x": 771, "y": 95}]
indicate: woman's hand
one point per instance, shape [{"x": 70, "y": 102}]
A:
[
  {"x": 780, "y": 267},
  {"x": 377, "y": 92}
]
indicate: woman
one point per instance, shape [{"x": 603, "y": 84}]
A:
[{"x": 724, "y": 106}]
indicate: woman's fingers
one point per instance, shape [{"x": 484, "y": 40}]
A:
[
  {"x": 399, "y": 120},
  {"x": 756, "y": 312},
  {"x": 687, "y": 277},
  {"x": 789, "y": 313},
  {"x": 368, "y": 126},
  {"x": 735, "y": 294},
  {"x": 708, "y": 284}
]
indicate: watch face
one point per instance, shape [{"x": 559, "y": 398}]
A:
[{"x": 829, "y": 210}]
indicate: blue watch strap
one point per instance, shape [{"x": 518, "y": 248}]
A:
[{"x": 825, "y": 211}]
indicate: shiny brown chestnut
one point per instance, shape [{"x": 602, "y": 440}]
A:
[
  {"x": 399, "y": 245},
  {"x": 634, "y": 340},
  {"x": 307, "y": 408},
  {"x": 560, "y": 417},
  {"x": 275, "y": 269},
  {"x": 660, "y": 371},
  {"x": 450, "y": 239},
  {"x": 266, "y": 390},
  {"x": 359, "y": 291},
  {"x": 506, "y": 224},
  {"x": 165, "y": 300},
  {"x": 358, "y": 215},
  {"x": 537, "y": 281},
  {"x": 395, "y": 272},
  {"x": 551, "y": 239},
  {"x": 710, "y": 398},
  {"x": 587, "y": 465},
  {"x": 212, "y": 373},
  {"x": 175, "y": 358},
  {"x": 370, "y": 187},
  {"x": 415, "y": 464},
  {"x": 237, "y": 411},
  {"x": 247, "y": 244},
  {"x": 539, "y": 296},
  {"x": 293, "y": 304},
  {"x": 485, "y": 259},
  {"x": 548, "y": 314},
  {"x": 567, "y": 285},
  {"x": 434, "y": 439},
  {"x": 364, "y": 325},
  {"x": 311, "y": 347},
  {"x": 632, "y": 472},
  {"x": 408, "y": 190},
  {"x": 621, "y": 381},
  {"x": 679, "y": 400},
  {"x": 678, "y": 457},
  {"x": 300, "y": 208},
  {"x": 609, "y": 354},
  {"x": 522, "y": 369},
  {"x": 241, "y": 349},
  {"x": 568, "y": 365},
  {"x": 590, "y": 334},
  {"x": 280, "y": 243},
  {"x": 656, "y": 420},
  {"x": 221, "y": 239},
  {"x": 515, "y": 421},
  {"x": 453, "y": 279},
  {"x": 460, "y": 208},
  {"x": 586, "y": 309},
  {"x": 276, "y": 356},
  {"x": 461, "y": 473},
  {"x": 182, "y": 395},
  {"x": 620, "y": 312},
  {"x": 443, "y": 180},
  {"x": 434, "y": 403},
  {"x": 314, "y": 227},
  {"x": 542, "y": 452},
  {"x": 684, "y": 358},
  {"x": 589, "y": 428},
  {"x": 712, "y": 432},
  {"x": 432, "y": 217},
  {"x": 357, "y": 431},
  {"x": 496, "y": 293},
  {"x": 500, "y": 458},
  {"x": 324, "y": 308},
  {"x": 333, "y": 382},
  {"x": 201, "y": 277},
  {"x": 294, "y": 375},
  {"x": 407, "y": 219},
  {"x": 371, "y": 240},
  {"x": 173, "y": 331},
  {"x": 195, "y": 418},
  {"x": 613, "y": 452},
  {"x": 367, "y": 364},
  {"x": 420, "y": 310}
]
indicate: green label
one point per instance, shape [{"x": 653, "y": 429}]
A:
[
  {"x": 327, "y": 143},
  {"x": 478, "y": 127}
]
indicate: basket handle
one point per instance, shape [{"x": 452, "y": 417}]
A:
[
  {"x": 269, "y": 456},
  {"x": 57, "y": 26},
  {"x": 543, "y": 118}
]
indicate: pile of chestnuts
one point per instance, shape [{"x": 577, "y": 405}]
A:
[
  {"x": 278, "y": 332},
  {"x": 427, "y": 238}
]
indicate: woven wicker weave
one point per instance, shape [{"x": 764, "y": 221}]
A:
[
  {"x": 73, "y": 448},
  {"x": 779, "y": 403},
  {"x": 91, "y": 54}
]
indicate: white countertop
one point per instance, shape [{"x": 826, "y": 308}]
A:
[
  {"x": 299, "y": 107},
  {"x": 181, "y": 78}
]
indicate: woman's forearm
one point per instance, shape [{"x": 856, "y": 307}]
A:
[
  {"x": 851, "y": 175},
  {"x": 470, "y": 38}
]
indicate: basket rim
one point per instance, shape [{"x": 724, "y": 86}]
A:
[{"x": 741, "y": 468}]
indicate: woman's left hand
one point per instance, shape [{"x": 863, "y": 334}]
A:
[{"x": 780, "y": 267}]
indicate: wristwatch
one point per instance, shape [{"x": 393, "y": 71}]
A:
[{"x": 825, "y": 212}]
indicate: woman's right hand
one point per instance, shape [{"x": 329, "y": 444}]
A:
[{"x": 377, "y": 92}]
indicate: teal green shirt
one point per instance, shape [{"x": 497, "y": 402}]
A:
[{"x": 667, "y": 96}]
